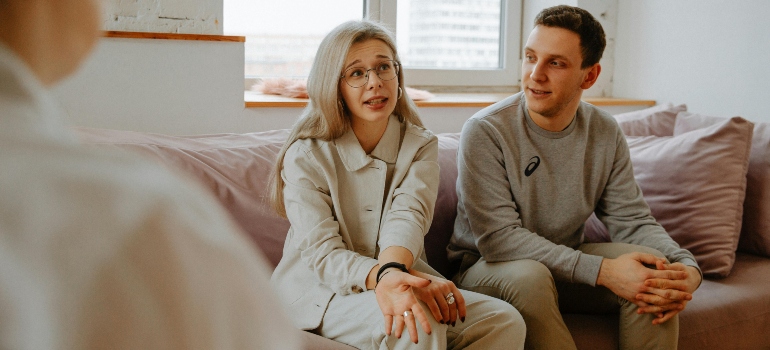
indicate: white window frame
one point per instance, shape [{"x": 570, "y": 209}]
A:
[{"x": 385, "y": 12}]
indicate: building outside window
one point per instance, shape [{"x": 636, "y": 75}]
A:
[{"x": 441, "y": 42}]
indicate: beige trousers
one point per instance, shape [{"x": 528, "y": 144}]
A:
[
  {"x": 356, "y": 320},
  {"x": 529, "y": 286}
]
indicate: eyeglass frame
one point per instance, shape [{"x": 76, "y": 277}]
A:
[{"x": 396, "y": 64}]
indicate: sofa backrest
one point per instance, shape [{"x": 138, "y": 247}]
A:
[{"x": 235, "y": 168}]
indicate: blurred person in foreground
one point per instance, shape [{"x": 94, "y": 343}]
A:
[
  {"x": 103, "y": 250},
  {"x": 357, "y": 179}
]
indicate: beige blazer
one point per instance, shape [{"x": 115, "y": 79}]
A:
[{"x": 345, "y": 207}]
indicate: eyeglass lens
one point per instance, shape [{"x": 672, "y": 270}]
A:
[{"x": 358, "y": 76}]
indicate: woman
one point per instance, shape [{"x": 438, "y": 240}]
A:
[{"x": 358, "y": 179}]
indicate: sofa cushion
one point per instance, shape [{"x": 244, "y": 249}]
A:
[
  {"x": 755, "y": 234},
  {"x": 695, "y": 185},
  {"x": 656, "y": 120},
  {"x": 234, "y": 167}
]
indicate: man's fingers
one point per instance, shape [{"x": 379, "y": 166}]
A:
[
  {"x": 655, "y": 309},
  {"x": 670, "y": 291},
  {"x": 668, "y": 274},
  {"x": 666, "y": 316},
  {"x": 662, "y": 283},
  {"x": 648, "y": 259}
]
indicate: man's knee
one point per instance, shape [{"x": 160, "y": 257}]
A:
[
  {"x": 532, "y": 280},
  {"x": 512, "y": 281}
]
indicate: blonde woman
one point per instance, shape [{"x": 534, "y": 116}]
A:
[{"x": 358, "y": 179}]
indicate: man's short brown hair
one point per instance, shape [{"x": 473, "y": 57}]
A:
[{"x": 582, "y": 23}]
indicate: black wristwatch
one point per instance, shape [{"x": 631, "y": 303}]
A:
[{"x": 382, "y": 269}]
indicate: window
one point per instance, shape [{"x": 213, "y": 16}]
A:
[
  {"x": 455, "y": 42},
  {"x": 440, "y": 42},
  {"x": 282, "y": 36}
]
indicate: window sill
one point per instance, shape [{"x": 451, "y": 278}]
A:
[{"x": 259, "y": 100}]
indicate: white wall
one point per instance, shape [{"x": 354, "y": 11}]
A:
[
  {"x": 710, "y": 54},
  {"x": 182, "y": 88},
  {"x": 164, "y": 16}
]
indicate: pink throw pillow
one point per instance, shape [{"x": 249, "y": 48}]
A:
[
  {"x": 695, "y": 184},
  {"x": 655, "y": 121},
  {"x": 755, "y": 234}
]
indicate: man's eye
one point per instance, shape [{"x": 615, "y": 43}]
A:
[{"x": 529, "y": 58}]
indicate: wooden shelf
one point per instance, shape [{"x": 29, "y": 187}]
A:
[
  {"x": 257, "y": 100},
  {"x": 173, "y": 36}
]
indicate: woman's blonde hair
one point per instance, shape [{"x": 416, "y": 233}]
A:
[{"x": 325, "y": 116}]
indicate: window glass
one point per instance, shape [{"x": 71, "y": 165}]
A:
[
  {"x": 449, "y": 34},
  {"x": 282, "y": 36}
]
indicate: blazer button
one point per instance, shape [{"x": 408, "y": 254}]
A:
[{"x": 356, "y": 289}]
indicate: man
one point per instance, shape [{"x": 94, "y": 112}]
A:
[
  {"x": 102, "y": 250},
  {"x": 532, "y": 169}
]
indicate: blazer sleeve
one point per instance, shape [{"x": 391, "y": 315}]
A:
[
  {"x": 314, "y": 229},
  {"x": 414, "y": 198}
]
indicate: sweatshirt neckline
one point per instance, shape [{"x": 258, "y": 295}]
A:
[{"x": 546, "y": 133}]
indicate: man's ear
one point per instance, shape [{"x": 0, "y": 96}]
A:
[{"x": 591, "y": 76}]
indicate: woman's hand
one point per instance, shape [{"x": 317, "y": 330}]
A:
[
  {"x": 437, "y": 296},
  {"x": 398, "y": 304}
]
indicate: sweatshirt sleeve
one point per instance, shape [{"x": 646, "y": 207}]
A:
[{"x": 486, "y": 198}]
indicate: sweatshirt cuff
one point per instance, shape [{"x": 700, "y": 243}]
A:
[
  {"x": 587, "y": 269},
  {"x": 693, "y": 263}
]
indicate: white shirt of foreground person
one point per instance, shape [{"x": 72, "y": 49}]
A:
[{"x": 103, "y": 250}]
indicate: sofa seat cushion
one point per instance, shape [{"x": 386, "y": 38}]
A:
[{"x": 730, "y": 313}]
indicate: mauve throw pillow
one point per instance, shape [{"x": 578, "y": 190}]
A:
[
  {"x": 653, "y": 121},
  {"x": 755, "y": 234},
  {"x": 234, "y": 167},
  {"x": 695, "y": 184}
]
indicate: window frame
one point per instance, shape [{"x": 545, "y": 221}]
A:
[{"x": 385, "y": 11}]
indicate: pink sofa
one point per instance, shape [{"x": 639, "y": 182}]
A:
[{"x": 730, "y": 312}]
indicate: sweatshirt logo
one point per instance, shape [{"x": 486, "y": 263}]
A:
[{"x": 533, "y": 163}]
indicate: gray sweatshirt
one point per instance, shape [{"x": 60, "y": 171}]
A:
[{"x": 526, "y": 193}]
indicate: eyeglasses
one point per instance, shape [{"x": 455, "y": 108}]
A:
[{"x": 357, "y": 77}]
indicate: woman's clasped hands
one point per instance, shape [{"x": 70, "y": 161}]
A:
[{"x": 398, "y": 295}]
